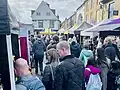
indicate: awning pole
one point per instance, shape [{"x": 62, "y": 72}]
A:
[{"x": 10, "y": 61}]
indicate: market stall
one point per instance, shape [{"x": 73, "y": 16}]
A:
[
  {"x": 9, "y": 30},
  {"x": 79, "y": 31},
  {"x": 111, "y": 27}
]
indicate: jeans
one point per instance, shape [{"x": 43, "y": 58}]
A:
[{"x": 39, "y": 59}]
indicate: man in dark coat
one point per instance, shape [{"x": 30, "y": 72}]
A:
[
  {"x": 111, "y": 50},
  {"x": 38, "y": 50},
  {"x": 70, "y": 72}
]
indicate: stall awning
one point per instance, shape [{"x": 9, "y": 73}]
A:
[
  {"x": 84, "y": 25},
  {"x": 71, "y": 30},
  {"x": 48, "y": 31},
  {"x": 61, "y": 30},
  {"x": 107, "y": 25}
]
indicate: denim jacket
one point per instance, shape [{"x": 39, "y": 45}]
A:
[{"x": 29, "y": 83}]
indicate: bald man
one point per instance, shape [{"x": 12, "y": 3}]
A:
[
  {"x": 70, "y": 73},
  {"x": 26, "y": 80}
]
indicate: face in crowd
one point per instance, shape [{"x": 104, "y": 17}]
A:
[{"x": 63, "y": 48}]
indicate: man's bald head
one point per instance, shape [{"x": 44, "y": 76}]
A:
[
  {"x": 63, "y": 48},
  {"x": 21, "y": 63},
  {"x": 21, "y": 67}
]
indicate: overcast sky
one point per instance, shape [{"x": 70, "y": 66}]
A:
[{"x": 22, "y": 8}]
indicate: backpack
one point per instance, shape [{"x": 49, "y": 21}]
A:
[
  {"x": 94, "y": 82},
  {"x": 117, "y": 82}
]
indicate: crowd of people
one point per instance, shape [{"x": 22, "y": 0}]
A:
[{"x": 70, "y": 65}]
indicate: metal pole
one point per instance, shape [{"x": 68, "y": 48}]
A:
[{"x": 10, "y": 61}]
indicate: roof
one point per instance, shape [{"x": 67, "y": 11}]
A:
[
  {"x": 43, "y": 8},
  {"x": 81, "y": 5},
  {"x": 8, "y": 22},
  {"x": 84, "y": 25}
]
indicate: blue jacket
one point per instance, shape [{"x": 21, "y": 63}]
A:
[
  {"x": 84, "y": 55},
  {"x": 29, "y": 83}
]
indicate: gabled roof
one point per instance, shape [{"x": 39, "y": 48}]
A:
[
  {"x": 84, "y": 25},
  {"x": 43, "y": 8}
]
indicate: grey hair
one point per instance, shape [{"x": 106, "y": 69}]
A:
[{"x": 63, "y": 44}]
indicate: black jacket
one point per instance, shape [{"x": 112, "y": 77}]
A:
[
  {"x": 39, "y": 48},
  {"x": 112, "y": 74},
  {"x": 110, "y": 52},
  {"x": 69, "y": 74},
  {"x": 116, "y": 49},
  {"x": 47, "y": 77}
]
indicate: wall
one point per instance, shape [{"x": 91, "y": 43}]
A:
[
  {"x": 95, "y": 14},
  {"x": 80, "y": 15},
  {"x": 117, "y": 7}
]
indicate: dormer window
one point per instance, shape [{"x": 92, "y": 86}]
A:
[
  {"x": 38, "y": 14},
  {"x": 48, "y": 14}
]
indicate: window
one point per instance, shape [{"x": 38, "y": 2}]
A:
[
  {"x": 52, "y": 24},
  {"x": 48, "y": 14},
  {"x": 110, "y": 10},
  {"x": 86, "y": 6},
  {"x": 40, "y": 24},
  {"x": 97, "y": 2},
  {"x": 38, "y": 13},
  {"x": 92, "y": 3}
]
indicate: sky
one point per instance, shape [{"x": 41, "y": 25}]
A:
[{"x": 22, "y": 8}]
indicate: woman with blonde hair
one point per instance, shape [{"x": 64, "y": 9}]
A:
[{"x": 48, "y": 75}]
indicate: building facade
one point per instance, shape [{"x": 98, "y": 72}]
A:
[
  {"x": 98, "y": 10},
  {"x": 80, "y": 13},
  {"x": 45, "y": 18},
  {"x": 75, "y": 19}
]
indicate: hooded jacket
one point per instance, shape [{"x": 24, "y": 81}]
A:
[
  {"x": 75, "y": 49},
  {"x": 85, "y": 53},
  {"x": 94, "y": 70}
]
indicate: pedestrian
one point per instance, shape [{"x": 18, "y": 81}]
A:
[
  {"x": 38, "y": 50},
  {"x": 104, "y": 64},
  {"x": 70, "y": 40},
  {"x": 92, "y": 75},
  {"x": 54, "y": 42},
  {"x": 26, "y": 81},
  {"x": 114, "y": 76},
  {"x": 85, "y": 54},
  {"x": 75, "y": 49},
  {"x": 110, "y": 51},
  {"x": 69, "y": 73},
  {"x": 49, "y": 71}
]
